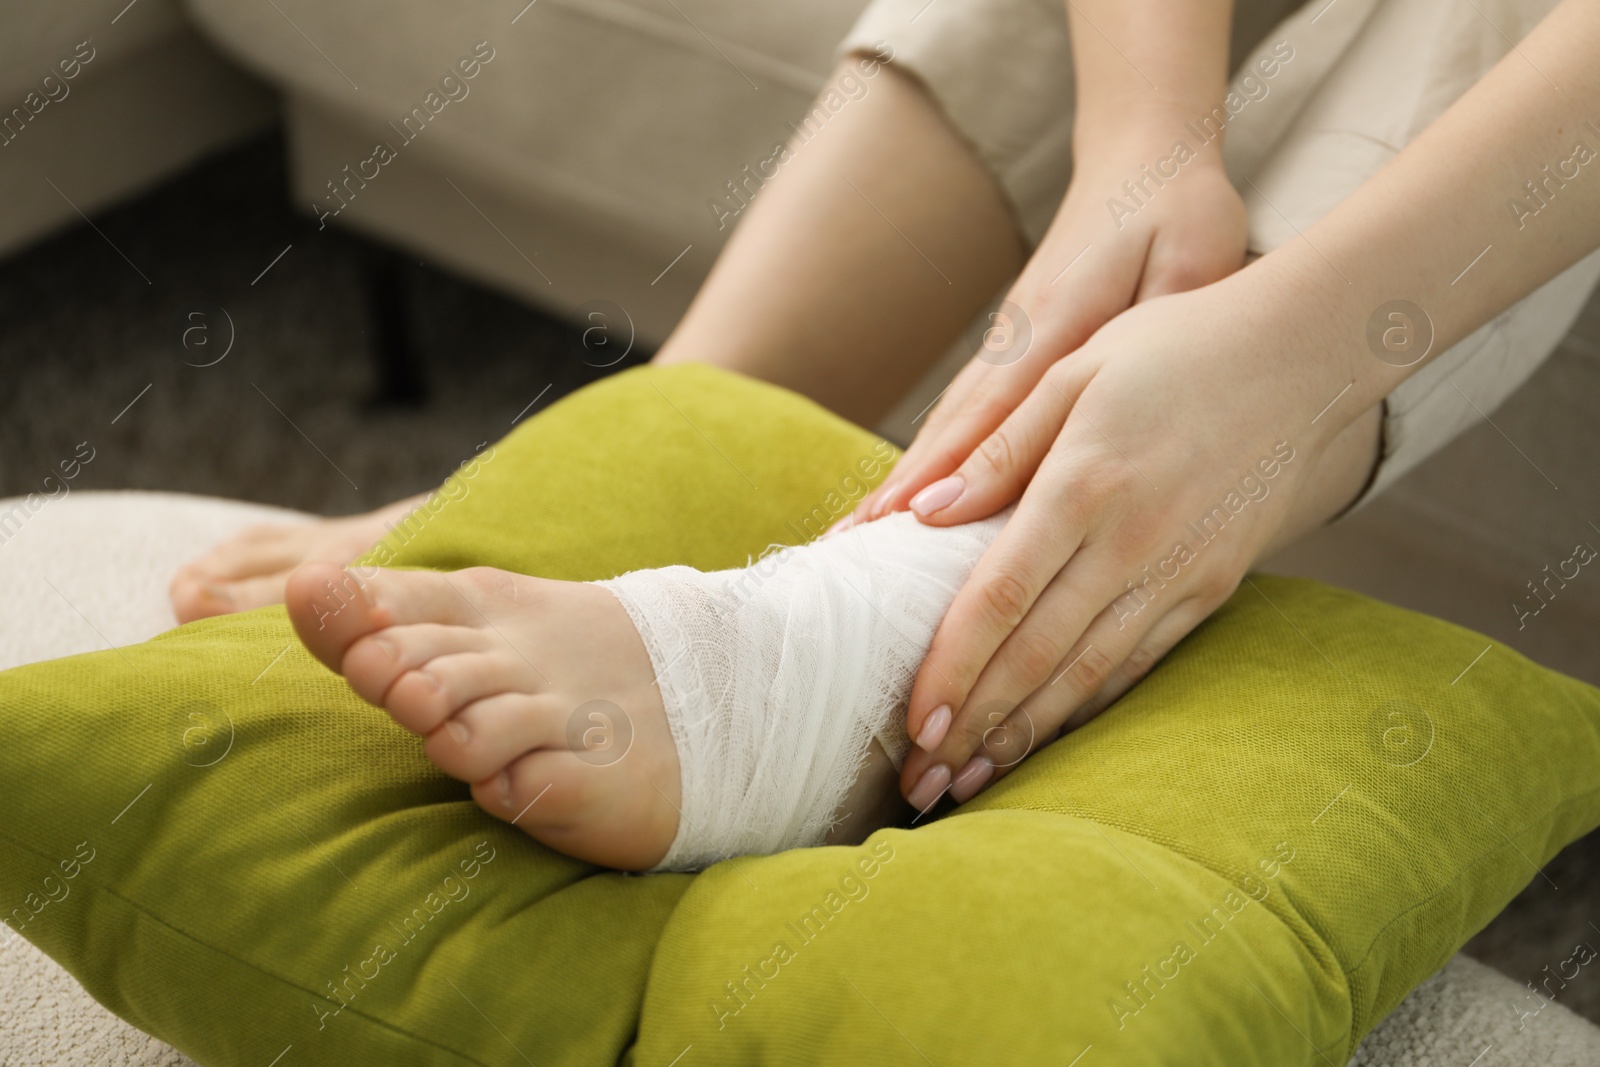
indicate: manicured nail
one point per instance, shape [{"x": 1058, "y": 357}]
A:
[
  {"x": 930, "y": 787},
  {"x": 219, "y": 593},
  {"x": 880, "y": 505},
  {"x": 973, "y": 777},
  {"x": 938, "y": 496},
  {"x": 458, "y": 731},
  {"x": 934, "y": 729}
]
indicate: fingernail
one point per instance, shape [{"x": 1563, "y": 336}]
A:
[
  {"x": 878, "y": 505},
  {"x": 843, "y": 524},
  {"x": 973, "y": 777},
  {"x": 930, "y": 787},
  {"x": 934, "y": 729},
  {"x": 458, "y": 731},
  {"x": 218, "y": 593},
  {"x": 938, "y": 496}
]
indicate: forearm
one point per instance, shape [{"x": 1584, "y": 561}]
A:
[
  {"x": 1138, "y": 62},
  {"x": 1450, "y": 225}
]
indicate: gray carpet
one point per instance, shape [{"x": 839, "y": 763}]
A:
[
  {"x": 301, "y": 412},
  {"x": 296, "y": 413}
]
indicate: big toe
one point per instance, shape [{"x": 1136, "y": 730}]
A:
[
  {"x": 330, "y": 610},
  {"x": 196, "y": 597}
]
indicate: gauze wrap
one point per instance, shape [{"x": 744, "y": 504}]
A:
[{"x": 776, "y": 677}]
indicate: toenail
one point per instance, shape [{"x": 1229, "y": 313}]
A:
[
  {"x": 459, "y": 731},
  {"x": 217, "y": 592},
  {"x": 973, "y": 777},
  {"x": 930, "y": 787},
  {"x": 934, "y": 729},
  {"x": 502, "y": 785}
]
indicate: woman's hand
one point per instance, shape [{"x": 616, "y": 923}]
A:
[
  {"x": 1162, "y": 448},
  {"x": 1119, "y": 238},
  {"x": 1159, "y": 462}
]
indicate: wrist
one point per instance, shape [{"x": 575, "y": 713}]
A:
[
  {"x": 1309, "y": 329},
  {"x": 1131, "y": 125}
]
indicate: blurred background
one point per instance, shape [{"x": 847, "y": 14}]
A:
[{"x": 308, "y": 404}]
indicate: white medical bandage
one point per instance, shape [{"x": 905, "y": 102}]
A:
[{"x": 776, "y": 677}]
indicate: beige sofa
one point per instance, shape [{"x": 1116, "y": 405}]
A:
[
  {"x": 580, "y": 163},
  {"x": 102, "y": 99}
]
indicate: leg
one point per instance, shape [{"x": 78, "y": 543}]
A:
[{"x": 817, "y": 292}]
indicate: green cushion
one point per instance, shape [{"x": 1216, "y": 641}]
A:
[{"x": 1249, "y": 860}]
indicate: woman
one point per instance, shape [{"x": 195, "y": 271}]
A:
[{"x": 1159, "y": 387}]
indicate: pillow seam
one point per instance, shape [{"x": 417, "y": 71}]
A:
[{"x": 179, "y": 931}]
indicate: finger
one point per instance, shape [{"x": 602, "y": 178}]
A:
[
  {"x": 875, "y": 505},
  {"x": 1170, "y": 629},
  {"x": 996, "y": 394},
  {"x": 1077, "y": 634},
  {"x": 1003, "y": 746},
  {"x": 994, "y": 398},
  {"x": 1000, "y": 468},
  {"x": 1014, "y": 570}
]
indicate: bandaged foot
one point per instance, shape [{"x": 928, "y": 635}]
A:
[
  {"x": 664, "y": 719},
  {"x": 777, "y": 677}
]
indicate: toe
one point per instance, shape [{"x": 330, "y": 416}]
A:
[
  {"x": 330, "y": 611},
  {"x": 199, "y": 597},
  {"x": 488, "y": 735},
  {"x": 424, "y": 698},
  {"x": 194, "y": 597},
  {"x": 536, "y": 791},
  {"x": 409, "y": 597},
  {"x": 559, "y": 799},
  {"x": 255, "y": 550},
  {"x": 333, "y": 607},
  {"x": 373, "y": 663}
]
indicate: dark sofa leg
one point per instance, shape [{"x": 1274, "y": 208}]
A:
[{"x": 397, "y": 367}]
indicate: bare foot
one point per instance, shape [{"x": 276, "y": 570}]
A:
[
  {"x": 249, "y": 569},
  {"x": 539, "y": 693}
]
